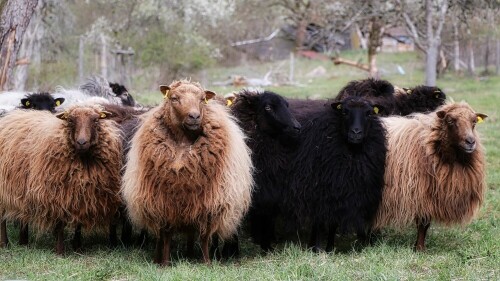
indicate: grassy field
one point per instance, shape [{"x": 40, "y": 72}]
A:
[{"x": 459, "y": 253}]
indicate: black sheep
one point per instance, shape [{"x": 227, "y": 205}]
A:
[
  {"x": 419, "y": 99},
  {"x": 121, "y": 92},
  {"x": 379, "y": 92},
  {"x": 41, "y": 101},
  {"x": 336, "y": 179},
  {"x": 271, "y": 131}
]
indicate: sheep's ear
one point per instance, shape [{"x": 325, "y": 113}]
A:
[
  {"x": 384, "y": 88},
  {"x": 441, "y": 114},
  {"x": 481, "y": 117},
  {"x": 209, "y": 95},
  {"x": 104, "y": 114},
  {"x": 59, "y": 101},
  {"x": 26, "y": 103},
  {"x": 378, "y": 109},
  {"x": 62, "y": 115},
  {"x": 230, "y": 100},
  {"x": 164, "y": 89},
  {"x": 337, "y": 105}
]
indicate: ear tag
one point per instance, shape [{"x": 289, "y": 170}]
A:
[
  {"x": 437, "y": 96},
  {"x": 27, "y": 103},
  {"x": 229, "y": 103},
  {"x": 376, "y": 110},
  {"x": 103, "y": 115},
  {"x": 436, "y": 91},
  {"x": 166, "y": 94},
  {"x": 408, "y": 92},
  {"x": 58, "y": 103},
  {"x": 339, "y": 106},
  {"x": 206, "y": 101},
  {"x": 479, "y": 119}
]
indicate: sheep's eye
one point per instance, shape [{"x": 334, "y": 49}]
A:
[
  {"x": 268, "y": 107},
  {"x": 174, "y": 99},
  {"x": 450, "y": 122}
]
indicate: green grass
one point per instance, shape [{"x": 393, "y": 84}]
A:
[{"x": 460, "y": 253}]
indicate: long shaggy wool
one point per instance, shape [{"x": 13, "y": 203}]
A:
[
  {"x": 206, "y": 184},
  {"x": 333, "y": 182},
  {"x": 271, "y": 156},
  {"x": 421, "y": 183},
  {"x": 44, "y": 181}
]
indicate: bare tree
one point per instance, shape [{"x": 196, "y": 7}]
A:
[
  {"x": 15, "y": 16},
  {"x": 426, "y": 32}
]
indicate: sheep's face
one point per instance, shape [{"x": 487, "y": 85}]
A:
[
  {"x": 460, "y": 122},
  {"x": 274, "y": 117},
  {"x": 83, "y": 124},
  {"x": 356, "y": 114},
  {"x": 187, "y": 104},
  {"x": 121, "y": 92},
  {"x": 41, "y": 101}
]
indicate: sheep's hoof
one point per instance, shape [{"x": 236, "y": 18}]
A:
[{"x": 419, "y": 248}]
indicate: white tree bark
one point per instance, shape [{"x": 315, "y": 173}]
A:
[
  {"x": 104, "y": 65},
  {"x": 433, "y": 38},
  {"x": 498, "y": 58}
]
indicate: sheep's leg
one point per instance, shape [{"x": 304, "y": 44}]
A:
[
  {"x": 77, "y": 239},
  {"x": 214, "y": 248},
  {"x": 59, "y": 233},
  {"x": 113, "y": 240},
  {"x": 23, "y": 234},
  {"x": 126, "y": 236},
  {"x": 330, "y": 245},
  {"x": 422, "y": 227},
  {"x": 205, "y": 240},
  {"x": 143, "y": 238},
  {"x": 314, "y": 241},
  {"x": 159, "y": 248},
  {"x": 167, "y": 239},
  {"x": 267, "y": 234},
  {"x": 4, "y": 240},
  {"x": 190, "y": 244},
  {"x": 231, "y": 248}
]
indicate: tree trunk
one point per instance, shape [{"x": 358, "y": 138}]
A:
[
  {"x": 104, "y": 64},
  {"x": 456, "y": 46},
  {"x": 15, "y": 16},
  {"x": 300, "y": 34},
  {"x": 431, "y": 63},
  {"x": 471, "y": 68},
  {"x": 374, "y": 42},
  {"x": 487, "y": 56},
  {"x": 498, "y": 58},
  {"x": 81, "y": 58}
]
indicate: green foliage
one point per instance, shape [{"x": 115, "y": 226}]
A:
[{"x": 180, "y": 52}]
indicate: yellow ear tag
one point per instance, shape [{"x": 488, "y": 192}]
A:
[
  {"x": 27, "y": 103},
  {"x": 103, "y": 115},
  {"x": 229, "y": 102},
  {"x": 339, "y": 106},
  {"x": 408, "y": 92},
  {"x": 166, "y": 94},
  {"x": 375, "y": 109},
  {"x": 437, "y": 96},
  {"x": 58, "y": 103},
  {"x": 206, "y": 101},
  {"x": 479, "y": 119}
]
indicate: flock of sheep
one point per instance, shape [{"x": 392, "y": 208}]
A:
[{"x": 375, "y": 156}]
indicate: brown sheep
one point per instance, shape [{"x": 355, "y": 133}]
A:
[
  {"x": 72, "y": 177},
  {"x": 435, "y": 169},
  {"x": 188, "y": 168}
]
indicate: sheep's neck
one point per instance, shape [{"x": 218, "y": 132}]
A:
[{"x": 445, "y": 148}]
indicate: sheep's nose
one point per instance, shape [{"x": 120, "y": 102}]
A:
[
  {"x": 194, "y": 115},
  {"x": 81, "y": 141},
  {"x": 356, "y": 131},
  {"x": 470, "y": 140}
]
